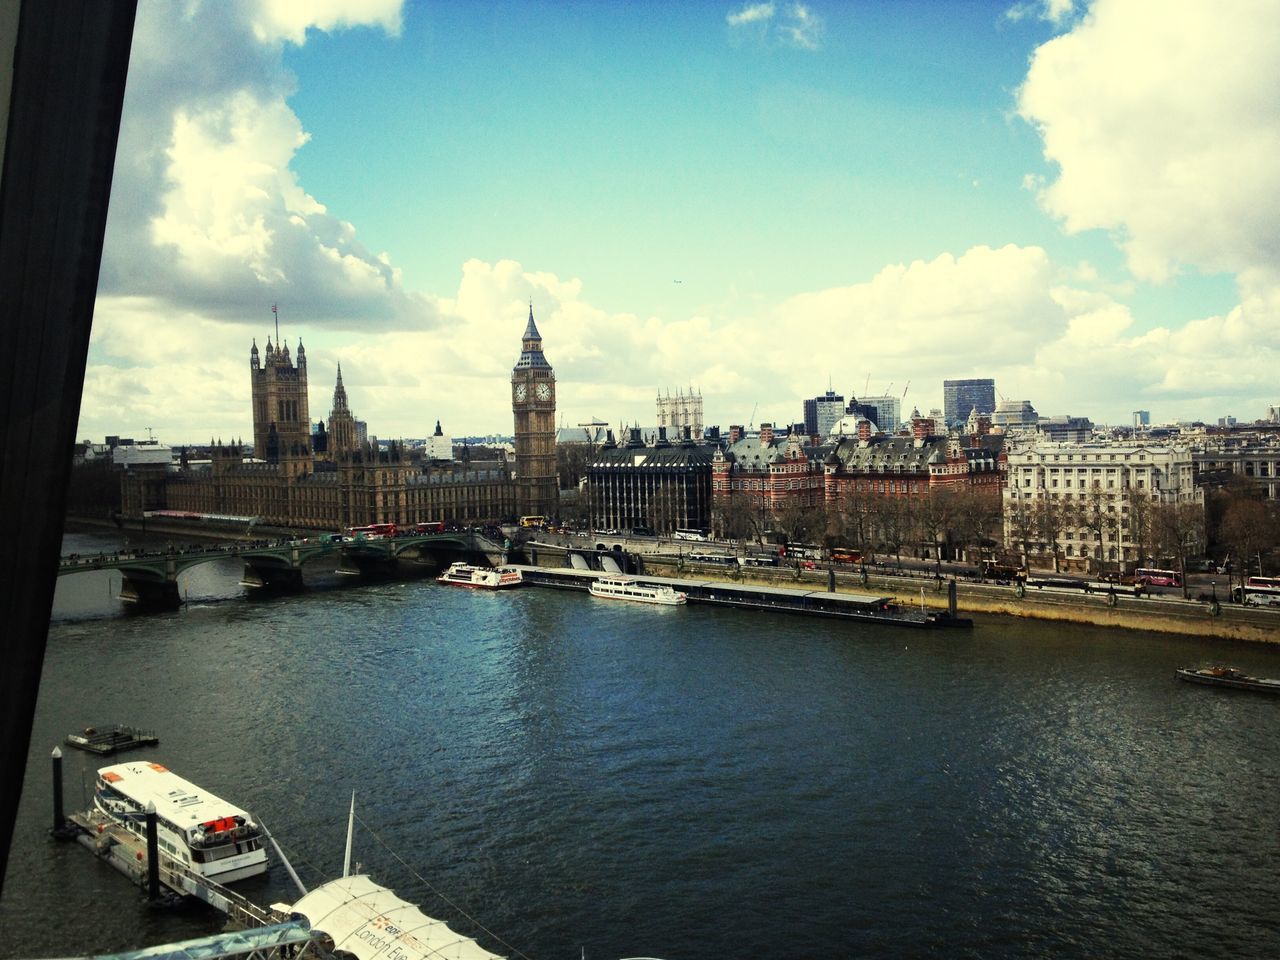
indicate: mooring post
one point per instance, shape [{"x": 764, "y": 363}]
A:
[
  {"x": 831, "y": 580},
  {"x": 59, "y": 820},
  {"x": 153, "y": 854},
  {"x": 951, "y": 597}
]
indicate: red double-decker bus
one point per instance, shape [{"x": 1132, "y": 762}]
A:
[
  {"x": 435, "y": 526},
  {"x": 374, "y": 531}
]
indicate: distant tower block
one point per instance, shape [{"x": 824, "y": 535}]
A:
[
  {"x": 279, "y": 403},
  {"x": 682, "y": 410}
]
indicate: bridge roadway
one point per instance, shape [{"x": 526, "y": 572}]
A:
[{"x": 150, "y": 577}]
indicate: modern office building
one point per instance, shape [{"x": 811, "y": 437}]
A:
[
  {"x": 885, "y": 411},
  {"x": 821, "y": 413},
  {"x": 962, "y": 397},
  {"x": 1014, "y": 415}
]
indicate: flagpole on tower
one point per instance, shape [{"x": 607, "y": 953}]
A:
[{"x": 275, "y": 313}]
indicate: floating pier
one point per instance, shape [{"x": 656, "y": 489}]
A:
[
  {"x": 859, "y": 607},
  {"x": 107, "y": 740}
]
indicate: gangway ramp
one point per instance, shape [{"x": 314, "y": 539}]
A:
[{"x": 277, "y": 942}]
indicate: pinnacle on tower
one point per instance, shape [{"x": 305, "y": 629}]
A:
[
  {"x": 531, "y": 329},
  {"x": 339, "y": 393}
]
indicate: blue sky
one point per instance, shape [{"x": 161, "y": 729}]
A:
[{"x": 1072, "y": 199}]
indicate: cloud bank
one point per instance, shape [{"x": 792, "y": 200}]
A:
[
  {"x": 1165, "y": 130},
  {"x": 206, "y": 213},
  {"x": 1162, "y": 136}
]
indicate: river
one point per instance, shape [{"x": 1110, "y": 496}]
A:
[{"x": 585, "y": 775}]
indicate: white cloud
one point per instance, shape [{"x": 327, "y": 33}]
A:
[
  {"x": 1165, "y": 130},
  {"x": 796, "y": 26},
  {"x": 752, "y": 13},
  {"x": 206, "y": 211},
  {"x": 802, "y": 27},
  {"x": 289, "y": 20},
  {"x": 1056, "y": 12}
]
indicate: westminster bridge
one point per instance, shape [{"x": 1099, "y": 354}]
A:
[{"x": 150, "y": 577}]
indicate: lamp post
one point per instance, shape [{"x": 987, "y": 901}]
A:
[{"x": 1214, "y": 585}]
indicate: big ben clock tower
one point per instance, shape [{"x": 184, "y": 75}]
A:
[{"x": 533, "y": 401}]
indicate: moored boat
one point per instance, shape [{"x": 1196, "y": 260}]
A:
[
  {"x": 197, "y": 830},
  {"x": 1227, "y": 677},
  {"x": 629, "y": 588},
  {"x": 481, "y": 578}
]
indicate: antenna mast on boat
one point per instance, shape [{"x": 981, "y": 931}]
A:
[{"x": 351, "y": 822}]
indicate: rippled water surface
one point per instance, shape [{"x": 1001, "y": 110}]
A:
[{"x": 590, "y": 775}]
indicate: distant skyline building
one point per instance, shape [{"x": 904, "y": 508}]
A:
[
  {"x": 961, "y": 397},
  {"x": 822, "y": 413},
  {"x": 1141, "y": 419},
  {"x": 888, "y": 412},
  {"x": 1012, "y": 415},
  {"x": 682, "y": 410}
]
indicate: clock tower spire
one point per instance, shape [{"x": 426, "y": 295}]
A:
[{"x": 533, "y": 404}]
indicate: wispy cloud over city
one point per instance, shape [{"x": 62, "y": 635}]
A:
[{"x": 792, "y": 24}]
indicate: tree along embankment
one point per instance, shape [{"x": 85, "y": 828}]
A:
[{"x": 1123, "y": 610}]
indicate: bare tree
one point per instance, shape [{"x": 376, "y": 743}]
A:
[
  {"x": 1138, "y": 522},
  {"x": 1248, "y": 527},
  {"x": 1096, "y": 514},
  {"x": 1176, "y": 529},
  {"x": 800, "y": 522},
  {"x": 977, "y": 517},
  {"x": 1051, "y": 519},
  {"x": 855, "y": 517},
  {"x": 934, "y": 514},
  {"x": 740, "y": 517},
  {"x": 892, "y": 520},
  {"x": 1022, "y": 527}
]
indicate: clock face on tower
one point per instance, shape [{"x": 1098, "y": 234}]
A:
[
  {"x": 543, "y": 391},
  {"x": 521, "y": 391}
]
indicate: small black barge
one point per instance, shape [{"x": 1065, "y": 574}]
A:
[
  {"x": 113, "y": 739},
  {"x": 1227, "y": 677}
]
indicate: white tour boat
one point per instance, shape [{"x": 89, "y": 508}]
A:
[
  {"x": 481, "y": 578},
  {"x": 629, "y": 588},
  {"x": 199, "y": 831}
]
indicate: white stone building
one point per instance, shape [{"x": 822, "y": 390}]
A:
[{"x": 1094, "y": 485}]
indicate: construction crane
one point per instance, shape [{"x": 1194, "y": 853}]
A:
[
  {"x": 904, "y": 391},
  {"x": 751, "y": 424}
]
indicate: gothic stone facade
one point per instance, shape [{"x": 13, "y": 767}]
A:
[
  {"x": 348, "y": 484},
  {"x": 533, "y": 404}
]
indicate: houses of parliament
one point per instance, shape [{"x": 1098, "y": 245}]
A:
[{"x": 331, "y": 480}]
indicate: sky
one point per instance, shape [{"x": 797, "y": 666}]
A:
[{"x": 756, "y": 201}]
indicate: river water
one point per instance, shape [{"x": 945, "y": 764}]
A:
[{"x": 556, "y": 774}]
